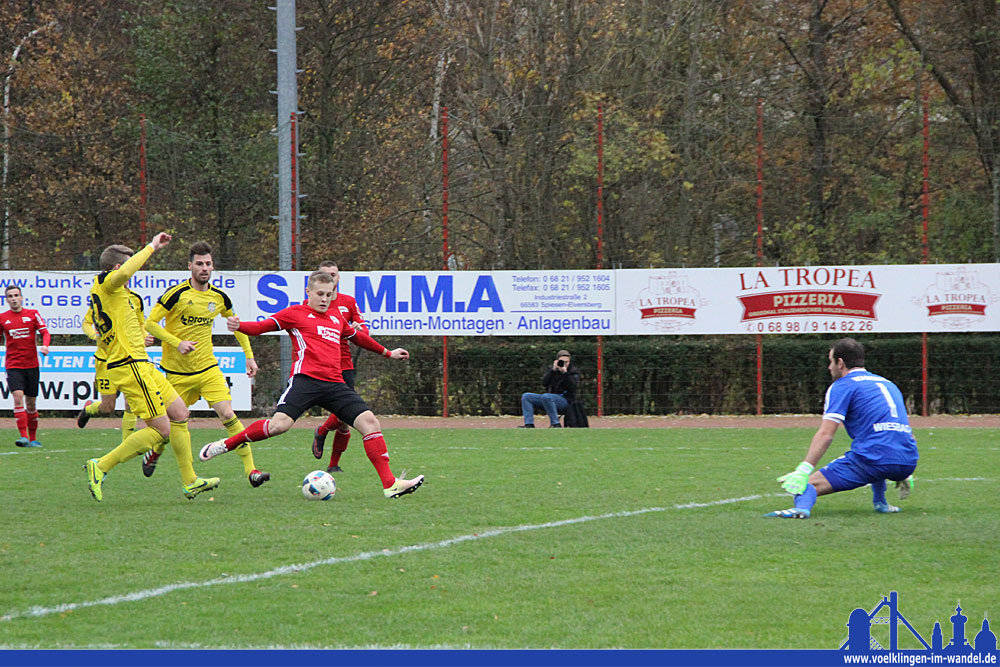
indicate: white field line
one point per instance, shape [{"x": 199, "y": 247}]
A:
[{"x": 38, "y": 611}]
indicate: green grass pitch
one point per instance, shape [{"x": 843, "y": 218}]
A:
[{"x": 518, "y": 539}]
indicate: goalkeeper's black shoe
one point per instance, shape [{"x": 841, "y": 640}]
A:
[
  {"x": 318, "y": 442},
  {"x": 83, "y": 417},
  {"x": 257, "y": 478}
]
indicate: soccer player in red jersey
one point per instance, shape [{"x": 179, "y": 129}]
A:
[
  {"x": 348, "y": 308},
  {"x": 20, "y": 326},
  {"x": 316, "y": 379}
]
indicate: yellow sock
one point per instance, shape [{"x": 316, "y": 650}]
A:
[
  {"x": 180, "y": 442},
  {"x": 128, "y": 425},
  {"x": 234, "y": 426},
  {"x": 93, "y": 409},
  {"x": 137, "y": 443}
]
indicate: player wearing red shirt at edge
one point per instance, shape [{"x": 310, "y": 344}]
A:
[
  {"x": 20, "y": 325},
  {"x": 316, "y": 379},
  {"x": 348, "y": 309}
]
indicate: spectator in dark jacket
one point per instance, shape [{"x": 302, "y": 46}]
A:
[{"x": 560, "y": 384}]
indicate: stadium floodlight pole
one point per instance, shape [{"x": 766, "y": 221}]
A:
[
  {"x": 445, "y": 254},
  {"x": 288, "y": 104},
  {"x": 294, "y": 192},
  {"x": 11, "y": 68},
  {"x": 760, "y": 243}
]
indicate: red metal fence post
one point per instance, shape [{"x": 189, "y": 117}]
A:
[
  {"x": 444, "y": 240},
  {"x": 142, "y": 178},
  {"x": 760, "y": 243},
  {"x": 600, "y": 249},
  {"x": 924, "y": 252}
]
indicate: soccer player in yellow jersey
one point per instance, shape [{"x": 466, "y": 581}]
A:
[
  {"x": 189, "y": 309},
  {"x": 105, "y": 387},
  {"x": 148, "y": 393}
]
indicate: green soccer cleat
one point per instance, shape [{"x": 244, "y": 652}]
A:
[
  {"x": 95, "y": 477},
  {"x": 403, "y": 487},
  {"x": 790, "y": 513},
  {"x": 905, "y": 487},
  {"x": 200, "y": 485}
]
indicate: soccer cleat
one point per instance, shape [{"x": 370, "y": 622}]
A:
[
  {"x": 149, "y": 460},
  {"x": 200, "y": 485},
  {"x": 257, "y": 478},
  {"x": 905, "y": 487},
  {"x": 213, "y": 449},
  {"x": 318, "y": 442},
  {"x": 22, "y": 442},
  {"x": 334, "y": 468},
  {"x": 34, "y": 443},
  {"x": 886, "y": 508},
  {"x": 790, "y": 513},
  {"x": 95, "y": 477},
  {"x": 83, "y": 417},
  {"x": 403, "y": 486}
]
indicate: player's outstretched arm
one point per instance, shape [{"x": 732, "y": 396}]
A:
[
  {"x": 795, "y": 482},
  {"x": 124, "y": 273},
  {"x": 252, "y": 328}
]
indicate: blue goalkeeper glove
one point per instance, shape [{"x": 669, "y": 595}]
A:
[{"x": 795, "y": 482}]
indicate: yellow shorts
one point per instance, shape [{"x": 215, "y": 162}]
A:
[
  {"x": 210, "y": 384},
  {"x": 105, "y": 387},
  {"x": 146, "y": 390}
]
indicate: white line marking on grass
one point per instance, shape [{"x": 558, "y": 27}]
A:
[{"x": 38, "y": 611}]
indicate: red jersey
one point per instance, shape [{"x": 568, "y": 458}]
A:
[
  {"x": 19, "y": 331},
  {"x": 317, "y": 339},
  {"x": 348, "y": 309}
]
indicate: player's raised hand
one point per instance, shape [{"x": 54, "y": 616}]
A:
[
  {"x": 795, "y": 482},
  {"x": 399, "y": 354},
  {"x": 161, "y": 240},
  {"x": 251, "y": 368},
  {"x": 233, "y": 323},
  {"x": 186, "y": 346}
]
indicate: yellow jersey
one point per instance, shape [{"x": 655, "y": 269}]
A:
[
  {"x": 189, "y": 315},
  {"x": 113, "y": 314},
  {"x": 88, "y": 325}
]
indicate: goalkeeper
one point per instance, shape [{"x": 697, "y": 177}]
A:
[{"x": 872, "y": 411}]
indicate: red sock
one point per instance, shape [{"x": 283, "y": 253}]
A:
[
  {"x": 32, "y": 418},
  {"x": 379, "y": 456},
  {"x": 339, "y": 446},
  {"x": 330, "y": 424},
  {"x": 22, "y": 421},
  {"x": 259, "y": 430}
]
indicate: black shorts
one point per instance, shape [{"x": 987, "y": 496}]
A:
[
  {"x": 349, "y": 377},
  {"x": 304, "y": 392},
  {"x": 23, "y": 379}
]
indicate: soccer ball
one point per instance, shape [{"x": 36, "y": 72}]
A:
[{"x": 319, "y": 485}]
